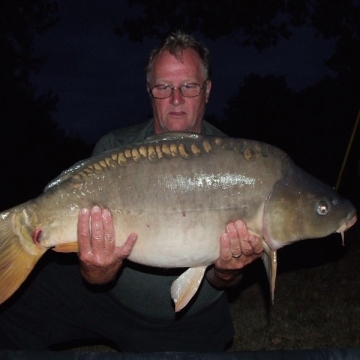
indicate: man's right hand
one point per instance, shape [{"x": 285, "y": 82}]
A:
[{"x": 100, "y": 259}]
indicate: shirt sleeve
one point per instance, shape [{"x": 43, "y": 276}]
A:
[
  {"x": 105, "y": 143},
  {"x": 125, "y": 136}
]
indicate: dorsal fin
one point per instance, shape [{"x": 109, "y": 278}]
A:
[
  {"x": 169, "y": 136},
  {"x": 172, "y": 136},
  {"x": 66, "y": 174}
]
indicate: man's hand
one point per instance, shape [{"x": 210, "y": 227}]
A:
[
  {"x": 237, "y": 249},
  {"x": 100, "y": 259}
]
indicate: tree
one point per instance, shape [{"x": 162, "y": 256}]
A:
[
  {"x": 33, "y": 150},
  {"x": 313, "y": 126},
  {"x": 341, "y": 20},
  {"x": 258, "y": 20},
  {"x": 20, "y": 21},
  {"x": 261, "y": 110},
  {"x": 255, "y": 23},
  {"x": 262, "y": 23}
]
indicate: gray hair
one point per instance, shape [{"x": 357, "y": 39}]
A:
[{"x": 175, "y": 43}]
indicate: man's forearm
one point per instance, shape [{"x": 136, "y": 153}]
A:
[{"x": 223, "y": 278}]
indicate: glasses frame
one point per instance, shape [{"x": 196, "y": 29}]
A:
[{"x": 177, "y": 87}]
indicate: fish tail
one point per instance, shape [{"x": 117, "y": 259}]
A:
[{"x": 16, "y": 259}]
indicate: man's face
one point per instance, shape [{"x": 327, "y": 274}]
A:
[{"x": 178, "y": 113}]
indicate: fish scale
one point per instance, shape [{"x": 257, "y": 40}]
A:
[{"x": 177, "y": 191}]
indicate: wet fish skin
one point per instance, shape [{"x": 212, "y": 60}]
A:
[{"x": 177, "y": 192}]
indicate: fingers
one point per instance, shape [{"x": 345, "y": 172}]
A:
[
  {"x": 239, "y": 239},
  {"x": 108, "y": 231},
  {"x": 234, "y": 244},
  {"x": 83, "y": 231},
  {"x": 237, "y": 247},
  {"x": 100, "y": 259},
  {"x": 95, "y": 231},
  {"x": 256, "y": 244}
]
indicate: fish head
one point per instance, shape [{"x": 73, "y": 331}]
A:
[{"x": 302, "y": 207}]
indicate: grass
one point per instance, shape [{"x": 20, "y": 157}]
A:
[{"x": 315, "y": 307}]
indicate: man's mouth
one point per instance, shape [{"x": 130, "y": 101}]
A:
[{"x": 177, "y": 113}]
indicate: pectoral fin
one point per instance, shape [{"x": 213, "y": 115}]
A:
[
  {"x": 67, "y": 247},
  {"x": 270, "y": 261},
  {"x": 186, "y": 286}
]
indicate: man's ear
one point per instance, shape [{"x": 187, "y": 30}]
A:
[{"x": 208, "y": 88}]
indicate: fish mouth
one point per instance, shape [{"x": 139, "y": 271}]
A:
[{"x": 346, "y": 225}]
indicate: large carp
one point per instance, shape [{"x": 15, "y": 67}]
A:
[{"x": 177, "y": 192}]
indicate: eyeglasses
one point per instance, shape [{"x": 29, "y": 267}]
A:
[{"x": 187, "y": 90}]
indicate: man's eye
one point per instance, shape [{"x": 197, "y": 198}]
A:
[
  {"x": 163, "y": 87},
  {"x": 189, "y": 86}
]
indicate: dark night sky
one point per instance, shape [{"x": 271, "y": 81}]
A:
[{"x": 100, "y": 80}]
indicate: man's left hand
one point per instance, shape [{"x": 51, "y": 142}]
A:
[{"x": 238, "y": 248}]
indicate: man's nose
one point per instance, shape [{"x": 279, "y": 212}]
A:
[{"x": 176, "y": 97}]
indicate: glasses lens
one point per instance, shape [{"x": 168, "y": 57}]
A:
[
  {"x": 190, "y": 90},
  {"x": 187, "y": 90},
  {"x": 161, "y": 91}
]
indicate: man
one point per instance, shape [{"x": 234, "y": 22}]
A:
[{"x": 130, "y": 304}]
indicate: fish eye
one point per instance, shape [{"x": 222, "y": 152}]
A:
[{"x": 322, "y": 207}]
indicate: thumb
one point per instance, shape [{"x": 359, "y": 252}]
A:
[{"x": 124, "y": 251}]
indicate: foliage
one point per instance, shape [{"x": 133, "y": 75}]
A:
[
  {"x": 341, "y": 20},
  {"x": 33, "y": 149},
  {"x": 20, "y": 21},
  {"x": 262, "y": 23},
  {"x": 313, "y": 125}
]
